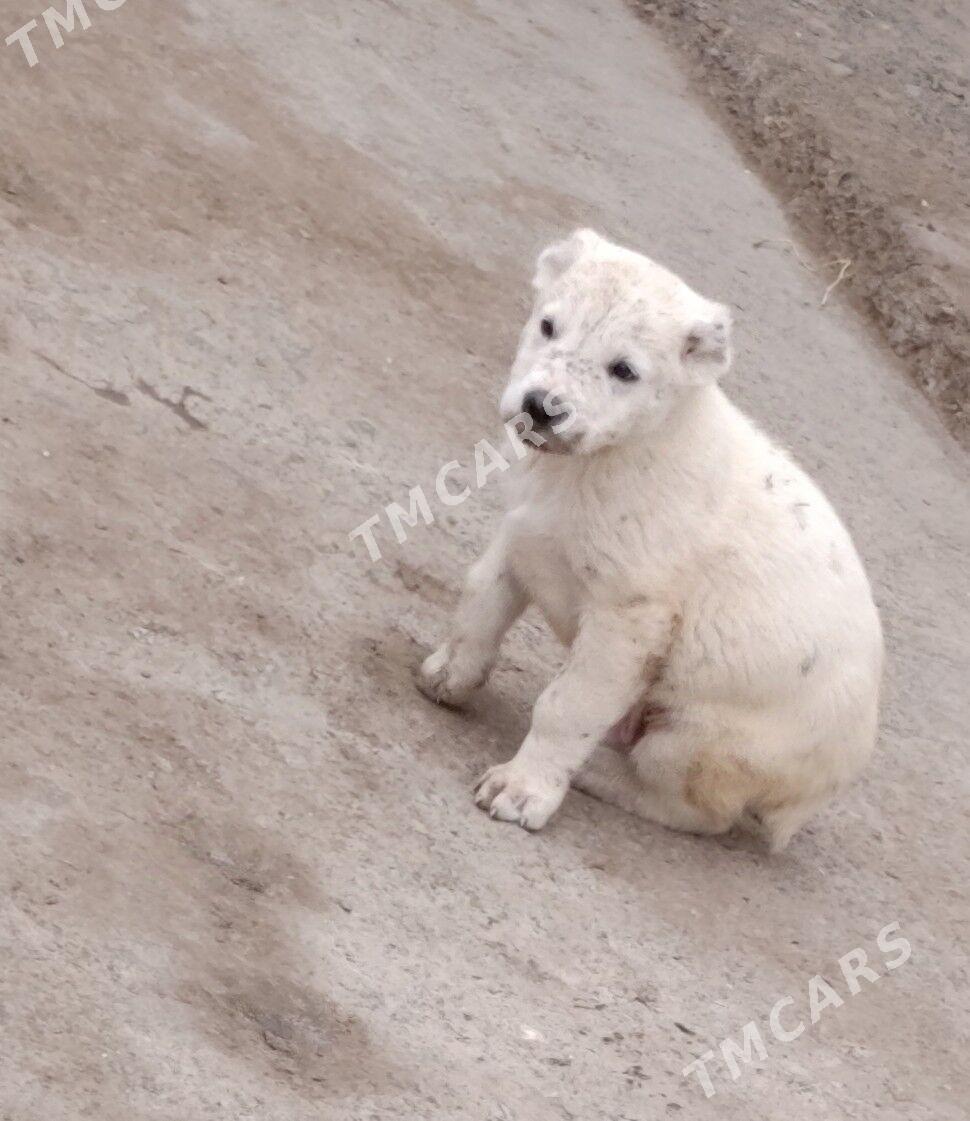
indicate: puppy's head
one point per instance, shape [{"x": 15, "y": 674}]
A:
[{"x": 613, "y": 344}]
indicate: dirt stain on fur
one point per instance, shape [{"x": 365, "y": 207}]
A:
[{"x": 721, "y": 787}]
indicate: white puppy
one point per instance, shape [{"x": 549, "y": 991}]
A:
[{"x": 725, "y": 652}]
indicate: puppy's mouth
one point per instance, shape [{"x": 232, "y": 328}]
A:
[
  {"x": 554, "y": 436},
  {"x": 554, "y": 445}
]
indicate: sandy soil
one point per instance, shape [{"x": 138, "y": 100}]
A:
[
  {"x": 263, "y": 269},
  {"x": 859, "y": 115}
]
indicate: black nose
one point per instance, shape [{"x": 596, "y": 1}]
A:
[{"x": 534, "y": 404}]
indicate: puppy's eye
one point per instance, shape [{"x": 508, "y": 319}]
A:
[
  {"x": 622, "y": 371},
  {"x": 547, "y": 327}
]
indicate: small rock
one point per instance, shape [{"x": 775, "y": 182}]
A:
[{"x": 839, "y": 69}]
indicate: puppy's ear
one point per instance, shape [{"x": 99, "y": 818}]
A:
[
  {"x": 561, "y": 255},
  {"x": 706, "y": 348}
]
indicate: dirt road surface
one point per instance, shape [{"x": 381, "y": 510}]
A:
[
  {"x": 263, "y": 268},
  {"x": 859, "y": 115}
]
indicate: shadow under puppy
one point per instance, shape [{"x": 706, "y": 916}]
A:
[{"x": 724, "y": 649}]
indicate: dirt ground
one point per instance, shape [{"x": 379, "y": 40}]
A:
[
  {"x": 263, "y": 269},
  {"x": 858, "y": 113}
]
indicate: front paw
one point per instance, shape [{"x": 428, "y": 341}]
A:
[
  {"x": 442, "y": 681},
  {"x": 510, "y": 792}
]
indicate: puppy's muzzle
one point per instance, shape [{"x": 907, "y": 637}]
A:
[{"x": 543, "y": 408}]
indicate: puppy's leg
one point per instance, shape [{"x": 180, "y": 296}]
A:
[
  {"x": 609, "y": 776},
  {"x": 490, "y": 603},
  {"x": 611, "y": 658},
  {"x": 614, "y": 778}
]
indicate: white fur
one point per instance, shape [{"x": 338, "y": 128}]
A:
[{"x": 709, "y": 594}]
